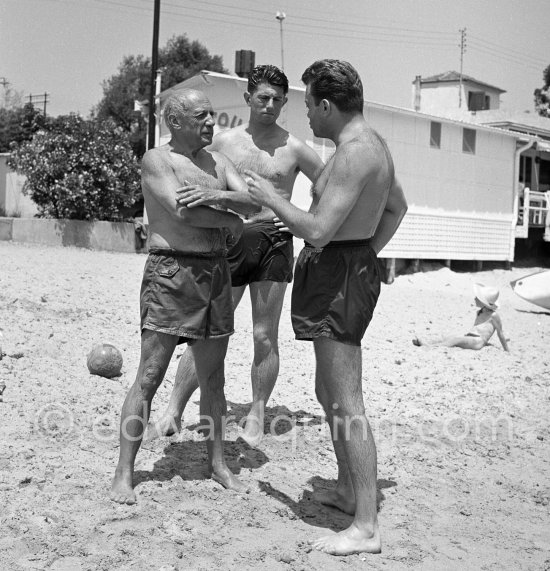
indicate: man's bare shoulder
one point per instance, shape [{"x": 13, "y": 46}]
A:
[
  {"x": 367, "y": 145},
  {"x": 229, "y": 136},
  {"x": 295, "y": 144},
  {"x": 217, "y": 155},
  {"x": 156, "y": 157}
]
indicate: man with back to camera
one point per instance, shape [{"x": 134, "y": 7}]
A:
[
  {"x": 263, "y": 258},
  {"x": 186, "y": 288},
  {"x": 357, "y": 207}
]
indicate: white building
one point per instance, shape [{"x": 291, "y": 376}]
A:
[{"x": 460, "y": 179}]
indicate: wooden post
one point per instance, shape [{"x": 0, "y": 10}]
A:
[{"x": 390, "y": 270}]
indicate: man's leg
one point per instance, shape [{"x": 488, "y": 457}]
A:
[
  {"x": 185, "y": 384},
  {"x": 209, "y": 358},
  {"x": 338, "y": 378},
  {"x": 156, "y": 351},
  {"x": 267, "y": 302},
  {"x": 342, "y": 496}
]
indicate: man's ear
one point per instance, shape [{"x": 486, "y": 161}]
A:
[
  {"x": 172, "y": 121},
  {"x": 285, "y": 99},
  {"x": 325, "y": 105},
  {"x": 247, "y": 97}
]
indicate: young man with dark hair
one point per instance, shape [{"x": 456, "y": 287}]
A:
[
  {"x": 357, "y": 206},
  {"x": 263, "y": 258}
]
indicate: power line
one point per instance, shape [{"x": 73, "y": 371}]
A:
[
  {"x": 509, "y": 51},
  {"x": 504, "y": 57},
  {"x": 306, "y": 28}
]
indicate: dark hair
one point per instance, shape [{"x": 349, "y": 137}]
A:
[
  {"x": 336, "y": 81},
  {"x": 267, "y": 74}
]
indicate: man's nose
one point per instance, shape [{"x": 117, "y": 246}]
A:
[{"x": 210, "y": 120}]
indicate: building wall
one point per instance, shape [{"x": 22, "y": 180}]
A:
[
  {"x": 461, "y": 206},
  {"x": 442, "y": 99},
  {"x": 12, "y": 200}
]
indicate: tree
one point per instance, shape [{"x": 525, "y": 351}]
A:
[
  {"x": 542, "y": 95},
  {"x": 10, "y": 98},
  {"x": 18, "y": 124},
  {"x": 180, "y": 59},
  {"x": 78, "y": 169}
]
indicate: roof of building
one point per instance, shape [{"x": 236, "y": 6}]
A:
[
  {"x": 454, "y": 76},
  {"x": 523, "y": 121}
]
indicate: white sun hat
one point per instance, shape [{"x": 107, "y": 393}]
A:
[{"x": 487, "y": 295}]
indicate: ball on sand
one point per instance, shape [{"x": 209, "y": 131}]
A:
[{"x": 105, "y": 360}]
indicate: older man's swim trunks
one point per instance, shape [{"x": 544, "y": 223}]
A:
[
  {"x": 187, "y": 294},
  {"x": 335, "y": 291},
  {"x": 262, "y": 253}
]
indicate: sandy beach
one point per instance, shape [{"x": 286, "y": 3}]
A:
[{"x": 463, "y": 437}]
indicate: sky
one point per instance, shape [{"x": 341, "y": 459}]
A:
[{"x": 67, "y": 48}]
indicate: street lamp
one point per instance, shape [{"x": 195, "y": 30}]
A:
[{"x": 281, "y": 16}]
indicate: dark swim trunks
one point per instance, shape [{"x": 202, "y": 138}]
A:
[
  {"x": 187, "y": 294},
  {"x": 262, "y": 253},
  {"x": 335, "y": 291}
]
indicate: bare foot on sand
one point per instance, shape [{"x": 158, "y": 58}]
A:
[
  {"x": 253, "y": 431},
  {"x": 344, "y": 501},
  {"x": 165, "y": 426},
  {"x": 227, "y": 479},
  {"x": 351, "y": 540},
  {"x": 122, "y": 490}
]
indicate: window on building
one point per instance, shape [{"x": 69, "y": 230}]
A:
[
  {"x": 525, "y": 166},
  {"x": 469, "y": 141},
  {"x": 435, "y": 135},
  {"x": 544, "y": 174},
  {"x": 478, "y": 101}
]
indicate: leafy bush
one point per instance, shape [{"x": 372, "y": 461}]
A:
[
  {"x": 18, "y": 124},
  {"x": 79, "y": 169}
]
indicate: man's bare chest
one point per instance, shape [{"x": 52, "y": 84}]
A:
[
  {"x": 208, "y": 176},
  {"x": 274, "y": 164}
]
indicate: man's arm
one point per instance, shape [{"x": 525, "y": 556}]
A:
[
  {"x": 236, "y": 197},
  {"x": 349, "y": 174},
  {"x": 500, "y": 332},
  {"x": 309, "y": 162},
  {"x": 395, "y": 209},
  {"x": 159, "y": 183}
]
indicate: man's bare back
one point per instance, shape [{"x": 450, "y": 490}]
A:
[{"x": 363, "y": 219}]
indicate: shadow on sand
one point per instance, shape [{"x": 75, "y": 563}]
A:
[
  {"x": 314, "y": 513},
  {"x": 189, "y": 460},
  {"x": 278, "y": 419}
]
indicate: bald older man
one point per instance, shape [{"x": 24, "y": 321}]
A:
[{"x": 186, "y": 287}]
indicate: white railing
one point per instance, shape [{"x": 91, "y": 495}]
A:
[{"x": 533, "y": 210}]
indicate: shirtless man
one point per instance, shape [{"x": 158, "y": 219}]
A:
[
  {"x": 185, "y": 292},
  {"x": 487, "y": 321},
  {"x": 263, "y": 258},
  {"x": 357, "y": 207}
]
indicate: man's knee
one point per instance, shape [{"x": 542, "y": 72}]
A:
[
  {"x": 265, "y": 338},
  {"x": 151, "y": 377}
]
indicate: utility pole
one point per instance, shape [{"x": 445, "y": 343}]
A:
[
  {"x": 281, "y": 16},
  {"x": 154, "y": 66},
  {"x": 462, "y": 47},
  {"x": 157, "y": 105},
  {"x": 42, "y": 97}
]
